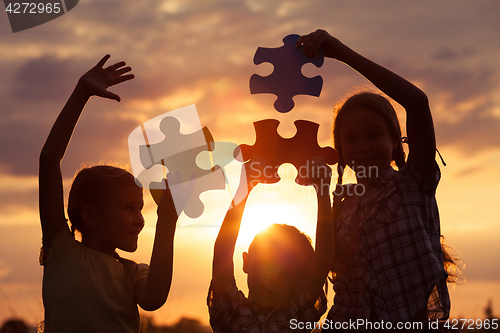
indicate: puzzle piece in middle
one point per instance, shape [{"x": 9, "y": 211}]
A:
[
  {"x": 275, "y": 150},
  {"x": 173, "y": 153},
  {"x": 287, "y": 79}
]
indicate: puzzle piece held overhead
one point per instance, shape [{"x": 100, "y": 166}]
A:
[
  {"x": 275, "y": 150},
  {"x": 287, "y": 79},
  {"x": 159, "y": 144},
  {"x": 192, "y": 180},
  {"x": 166, "y": 152}
]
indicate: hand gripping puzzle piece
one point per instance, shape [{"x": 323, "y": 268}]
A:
[
  {"x": 173, "y": 141},
  {"x": 275, "y": 150},
  {"x": 287, "y": 79}
]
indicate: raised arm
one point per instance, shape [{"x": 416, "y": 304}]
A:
[
  {"x": 324, "y": 251},
  {"x": 51, "y": 202},
  {"x": 419, "y": 124},
  {"x": 152, "y": 292},
  {"x": 223, "y": 266}
]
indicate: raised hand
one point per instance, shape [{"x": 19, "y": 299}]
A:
[
  {"x": 98, "y": 79},
  {"x": 312, "y": 42}
]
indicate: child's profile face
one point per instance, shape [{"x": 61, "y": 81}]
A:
[
  {"x": 366, "y": 140},
  {"x": 120, "y": 219},
  {"x": 273, "y": 276}
]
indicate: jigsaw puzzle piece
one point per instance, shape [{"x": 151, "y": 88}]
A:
[
  {"x": 186, "y": 195},
  {"x": 287, "y": 79},
  {"x": 185, "y": 164},
  {"x": 190, "y": 180},
  {"x": 222, "y": 154},
  {"x": 152, "y": 178},
  {"x": 174, "y": 142},
  {"x": 276, "y": 150},
  {"x": 170, "y": 143},
  {"x": 169, "y": 134}
]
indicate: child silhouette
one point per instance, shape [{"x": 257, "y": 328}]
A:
[
  {"x": 389, "y": 266},
  {"x": 87, "y": 287},
  {"x": 285, "y": 274}
]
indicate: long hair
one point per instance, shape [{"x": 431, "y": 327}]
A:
[{"x": 451, "y": 263}]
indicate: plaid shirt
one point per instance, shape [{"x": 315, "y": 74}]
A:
[
  {"x": 236, "y": 313},
  {"x": 389, "y": 263}
]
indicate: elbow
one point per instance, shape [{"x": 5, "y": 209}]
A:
[
  {"x": 150, "y": 308},
  {"x": 153, "y": 305},
  {"x": 420, "y": 100},
  {"x": 423, "y": 99},
  {"x": 47, "y": 158}
]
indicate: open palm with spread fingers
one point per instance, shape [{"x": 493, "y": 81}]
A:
[{"x": 98, "y": 79}]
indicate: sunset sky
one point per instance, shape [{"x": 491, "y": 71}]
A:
[{"x": 201, "y": 52}]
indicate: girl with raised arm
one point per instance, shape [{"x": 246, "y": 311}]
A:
[{"x": 87, "y": 287}]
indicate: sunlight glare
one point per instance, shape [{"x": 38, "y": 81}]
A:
[{"x": 284, "y": 202}]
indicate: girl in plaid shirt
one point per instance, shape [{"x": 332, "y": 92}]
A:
[{"x": 389, "y": 269}]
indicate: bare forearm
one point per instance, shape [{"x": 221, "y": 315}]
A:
[
  {"x": 51, "y": 203},
  {"x": 398, "y": 88},
  {"x": 229, "y": 230},
  {"x": 160, "y": 272},
  {"x": 223, "y": 266},
  {"x": 55, "y": 146},
  {"x": 325, "y": 248}
]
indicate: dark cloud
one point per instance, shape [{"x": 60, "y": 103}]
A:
[
  {"x": 20, "y": 144},
  {"x": 472, "y": 134},
  {"x": 445, "y": 53},
  {"x": 459, "y": 84},
  {"x": 44, "y": 78},
  {"x": 468, "y": 98},
  {"x": 97, "y": 137},
  {"x": 448, "y": 53}
]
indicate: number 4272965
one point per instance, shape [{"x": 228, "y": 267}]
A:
[
  {"x": 471, "y": 324},
  {"x": 33, "y": 8}
]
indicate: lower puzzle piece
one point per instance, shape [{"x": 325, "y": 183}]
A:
[
  {"x": 275, "y": 150},
  {"x": 287, "y": 79}
]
